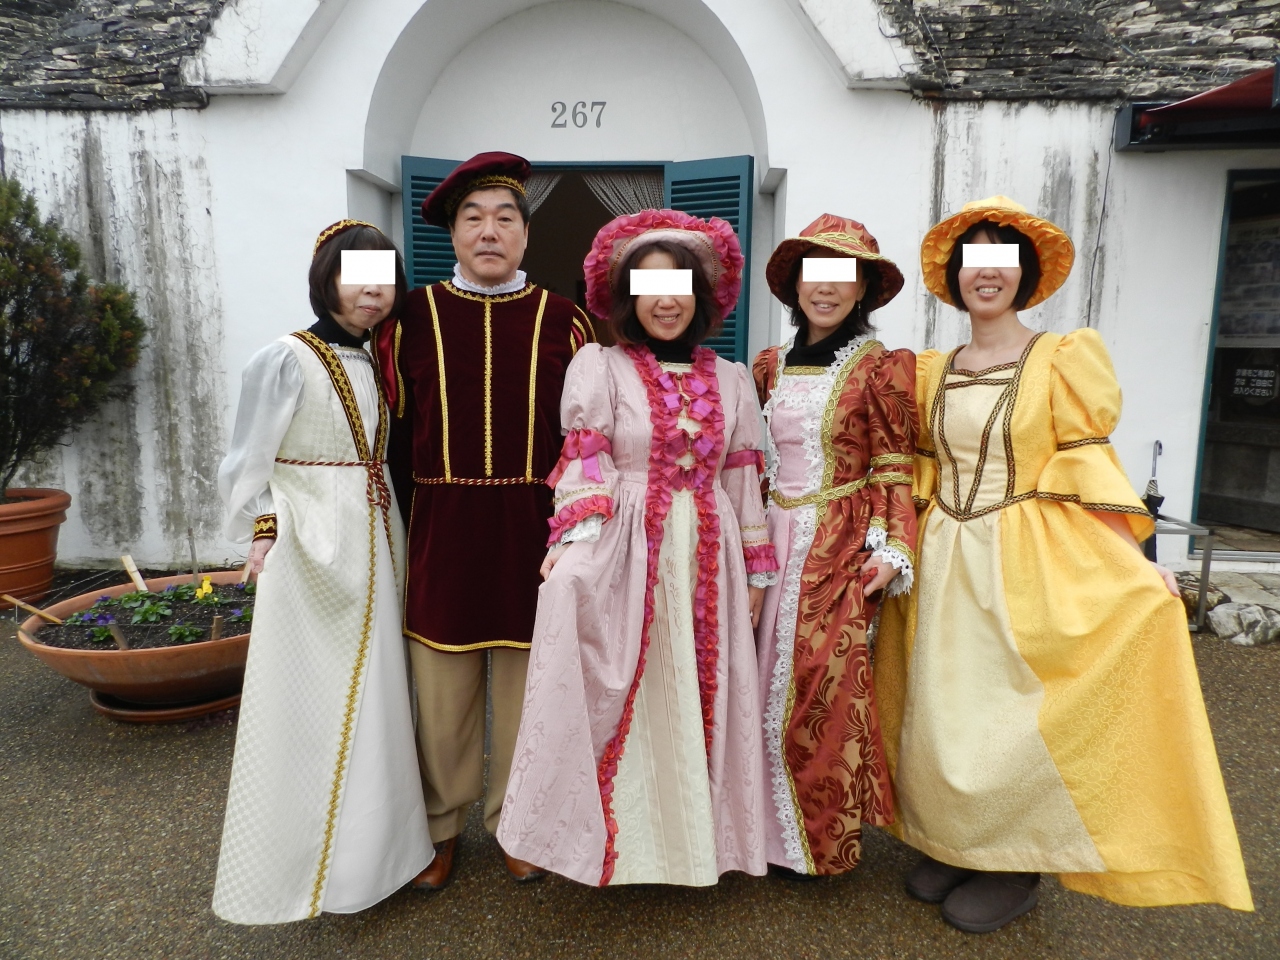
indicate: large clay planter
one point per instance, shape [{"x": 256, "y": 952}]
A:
[
  {"x": 207, "y": 673},
  {"x": 29, "y": 541}
]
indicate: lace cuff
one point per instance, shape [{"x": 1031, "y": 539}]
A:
[
  {"x": 586, "y": 530},
  {"x": 902, "y": 563},
  {"x": 762, "y": 579}
]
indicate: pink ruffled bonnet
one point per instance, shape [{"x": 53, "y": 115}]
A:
[{"x": 712, "y": 241}]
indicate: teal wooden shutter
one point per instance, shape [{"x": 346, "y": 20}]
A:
[
  {"x": 428, "y": 251},
  {"x": 722, "y": 188}
]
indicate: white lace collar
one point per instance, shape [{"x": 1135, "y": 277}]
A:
[{"x": 511, "y": 286}]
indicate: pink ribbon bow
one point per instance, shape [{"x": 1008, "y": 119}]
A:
[{"x": 583, "y": 445}]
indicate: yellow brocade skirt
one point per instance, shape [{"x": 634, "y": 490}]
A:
[{"x": 1051, "y": 717}]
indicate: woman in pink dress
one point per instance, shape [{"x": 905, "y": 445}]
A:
[{"x": 638, "y": 758}]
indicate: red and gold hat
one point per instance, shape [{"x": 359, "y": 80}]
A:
[
  {"x": 1053, "y": 246},
  {"x": 482, "y": 170},
  {"x": 331, "y": 231},
  {"x": 841, "y": 235}
]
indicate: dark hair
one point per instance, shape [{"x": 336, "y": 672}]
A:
[
  {"x": 521, "y": 201},
  {"x": 859, "y": 318},
  {"x": 623, "y": 321},
  {"x": 327, "y": 263},
  {"x": 1028, "y": 259}
]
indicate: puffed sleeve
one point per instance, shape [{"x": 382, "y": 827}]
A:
[
  {"x": 892, "y": 422},
  {"x": 924, "y": 485},
  {"x": 1085, "y": 402},
  {"x": 765, "y": 370},
  {"x": 585, "y": 478},
  {"x": 743, "y": 465},
  {"x": 270, "y": 394}
]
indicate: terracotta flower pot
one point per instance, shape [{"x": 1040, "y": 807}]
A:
[
  {"x": 29, "y": 541},
  {"x": 185, "y": 677}
]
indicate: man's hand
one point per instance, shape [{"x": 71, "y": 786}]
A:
[
  {"x": 755, "y": 603},
  {"x": 258, "y": 551},
  {"x": 553, "y": 557}
]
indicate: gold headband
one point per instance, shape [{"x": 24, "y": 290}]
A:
[
  {"x": 342, "y": 226},
  {"x": 490, "y": 180}
]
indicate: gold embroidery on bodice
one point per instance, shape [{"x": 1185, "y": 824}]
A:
[{"x": 972, "y": 418}]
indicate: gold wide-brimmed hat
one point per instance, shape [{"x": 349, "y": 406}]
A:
[
  {"x": 1053, "y": 246},
  {"x": 841, "y": 235}
]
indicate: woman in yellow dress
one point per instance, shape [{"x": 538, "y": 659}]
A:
[{"x": 1039, "y": 699}]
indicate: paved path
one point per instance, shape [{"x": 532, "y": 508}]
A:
[{"x": 109, "y": 838}]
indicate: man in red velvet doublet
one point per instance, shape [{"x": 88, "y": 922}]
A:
[
  {"x": 473, "y": 372},
  {"x": 481, "y": 379}
]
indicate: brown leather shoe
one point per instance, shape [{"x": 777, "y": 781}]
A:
[
  {"x": 522, "y": 870},
  {"x": 440, "y": 870}
]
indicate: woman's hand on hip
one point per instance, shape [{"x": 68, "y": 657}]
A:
[
  {"x": 553, "y": 557},
  {"x": 258, "y": 551}
]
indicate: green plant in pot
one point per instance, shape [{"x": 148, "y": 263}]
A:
[{"x": 65, "y": 345}]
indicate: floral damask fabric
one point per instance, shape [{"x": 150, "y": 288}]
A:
[{"x": 841, "y": 440}]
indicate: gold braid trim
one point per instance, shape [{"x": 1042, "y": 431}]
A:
[
  {"x": 931, "y": 454},
  {"x": 342, "y": 385},
  {"x": 478, "y": 481},
  {"x": 348, "y": 719},
  {"x": 444, "y": 392},
  {"x": 828, "y": 423},
  {"x": 488, "y": 389},
  {"x": 395, "y": 361},
  {"x": 885, "y": 459},
  {"x": 902, "y": 548},
  {"x": 265, "y": 527},
  {"x": 342, "y": 226},
  {"x": 1072, "y": 444},
  {"x": 481, "y": 298},
  {"x": 533, "y": 386},
  {"x": 1038, "y": 495}
]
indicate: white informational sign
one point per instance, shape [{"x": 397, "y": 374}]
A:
[
  {"x": 829, "y": 269},
  {"x": 368, "y": 266},
  {"x": 990, "y": 255},
  {"x": 661, "y": 283}
]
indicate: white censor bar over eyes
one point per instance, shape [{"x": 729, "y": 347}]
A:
[
  {"x": 829, "y": 270},
  {"x": 368, "y": 266},
  {"x": 661, "y": 283},
  {"x": 990, "y": 255}
]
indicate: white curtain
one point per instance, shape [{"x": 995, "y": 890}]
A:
[
  {"x": 538, "y": 187},
  {"x": 627, "y": 191}
]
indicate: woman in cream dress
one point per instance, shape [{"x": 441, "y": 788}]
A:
[
  {"x": 1040, "y": 702},
  {"x": 325, "y": 811}
]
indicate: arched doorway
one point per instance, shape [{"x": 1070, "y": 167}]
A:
[{"x": 583, "y": 89}]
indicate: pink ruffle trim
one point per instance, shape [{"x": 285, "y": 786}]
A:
[
  {"x": 599, "y": 263},
  {"x": 582, "y": 445},
  {"x": 745, "y": 458},
  {"x": 669, "y": 443},
  {"x": 576, "y": 512},
  {"x": 760, "y": 558}
]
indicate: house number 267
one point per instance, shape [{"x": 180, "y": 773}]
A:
[{"x": 561, "y": 113}]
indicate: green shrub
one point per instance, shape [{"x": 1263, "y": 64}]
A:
[{"x": 64, "y": 342}]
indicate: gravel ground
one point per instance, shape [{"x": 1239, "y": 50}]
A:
[{"x": 109, "y": 839}]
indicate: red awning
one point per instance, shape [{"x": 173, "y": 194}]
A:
[{"x": 1249, "y": 96}]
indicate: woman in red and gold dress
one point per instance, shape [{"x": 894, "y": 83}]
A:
[{"x": 841, "y": 432}]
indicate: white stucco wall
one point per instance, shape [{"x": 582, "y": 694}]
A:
[{"x": 210, "y": 214}]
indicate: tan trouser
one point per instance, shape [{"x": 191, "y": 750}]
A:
[{"x": 451, "y": 712}]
